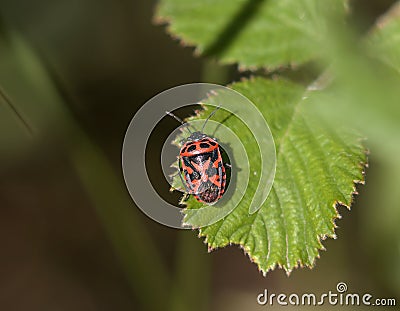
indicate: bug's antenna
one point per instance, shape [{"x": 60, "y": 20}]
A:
[
  {"x": 211, "y": 114},
  {"x": 179, "y": 120}
]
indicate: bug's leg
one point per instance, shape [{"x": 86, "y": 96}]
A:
[
  {"x": 183, "y": 182},
  {"x": 186, "y": 194},
  {"x": 178, "y": 171},
  {"x": 185, "y": 197},
  {"x": 174, "y": 174},
  {"x": 227, "y": 165}
]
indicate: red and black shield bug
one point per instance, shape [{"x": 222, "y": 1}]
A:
[{"x": 200, "y": 163}]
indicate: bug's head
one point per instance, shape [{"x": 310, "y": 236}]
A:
[{"x": 196, "y": 136}]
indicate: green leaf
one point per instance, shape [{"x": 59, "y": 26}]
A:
[
  {"x": 365, "y": 91},
  {"x": 253, "y": 33},
  {"x": 384, "y": 40},
  {"x": 317, "y": 168}
]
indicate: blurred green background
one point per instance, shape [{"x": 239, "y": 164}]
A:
[{"x": 72, "y": 75}]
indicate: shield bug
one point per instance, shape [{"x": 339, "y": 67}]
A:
[{"x": 200, "y": 163}]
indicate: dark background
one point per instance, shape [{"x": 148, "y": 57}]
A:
[{"x": 60, "y": 252}]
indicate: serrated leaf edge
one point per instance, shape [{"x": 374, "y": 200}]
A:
[
  {"x": 321, "y": 238},
  {"x": 183, "y": 41}
]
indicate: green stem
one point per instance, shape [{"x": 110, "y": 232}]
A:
[
  {"x": 191, "y": 288},
  {"x": 137, "y": 253}
]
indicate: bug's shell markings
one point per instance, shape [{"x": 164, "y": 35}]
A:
[{"x": 202, "y": 168}]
